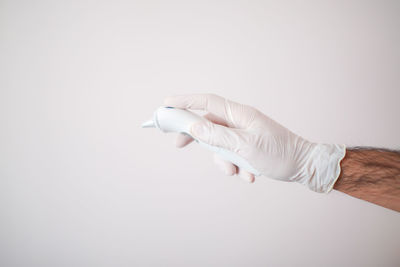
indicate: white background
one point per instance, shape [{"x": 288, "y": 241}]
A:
[{"x": 82, "y": 185}]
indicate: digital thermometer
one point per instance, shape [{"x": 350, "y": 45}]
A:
[{"x": 169, "y": 119}]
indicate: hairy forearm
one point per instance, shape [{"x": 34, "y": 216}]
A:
[{"x": 372, "y": 175}]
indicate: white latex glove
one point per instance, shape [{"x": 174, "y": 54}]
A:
[{"x": 268, "y": 146}]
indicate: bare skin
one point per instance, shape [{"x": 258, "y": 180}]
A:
[{"x": 372, "y": 175}]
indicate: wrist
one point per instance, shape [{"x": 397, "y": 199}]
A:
[{"x": 322, "y": 167}]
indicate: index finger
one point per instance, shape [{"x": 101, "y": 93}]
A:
[{"x": 221, "y": 107}]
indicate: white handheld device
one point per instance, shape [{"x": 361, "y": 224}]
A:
[{"x": 169, "y": 119}]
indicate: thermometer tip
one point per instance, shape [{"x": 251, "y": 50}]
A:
[{"x": 148, "y": 124}]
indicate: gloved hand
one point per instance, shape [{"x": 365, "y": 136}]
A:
[{"x": 268, "y": 146}]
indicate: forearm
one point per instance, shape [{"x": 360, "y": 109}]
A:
[{"x": 372, "y": 175}]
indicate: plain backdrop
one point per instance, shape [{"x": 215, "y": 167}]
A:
[{"x": 81, "y": 184}]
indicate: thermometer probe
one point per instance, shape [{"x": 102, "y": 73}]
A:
[{"x": 169, "y": 119}]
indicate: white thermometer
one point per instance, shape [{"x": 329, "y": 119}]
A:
[{"x": 169, "y": 119}]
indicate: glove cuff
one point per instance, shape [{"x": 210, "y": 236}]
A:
[{"x": 323, "y": 167}]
